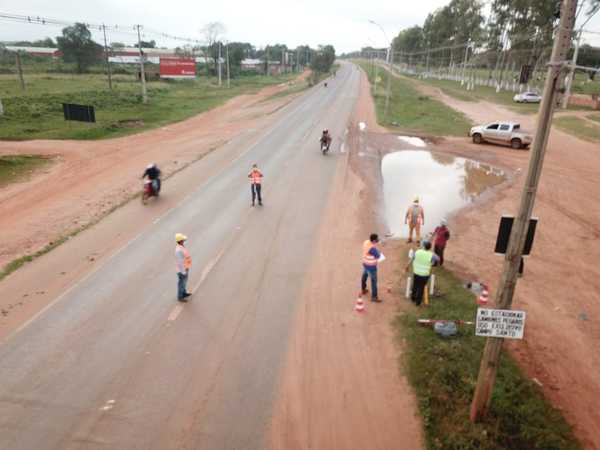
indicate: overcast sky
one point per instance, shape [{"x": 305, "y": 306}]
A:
[{"x": 342, "y": 23}]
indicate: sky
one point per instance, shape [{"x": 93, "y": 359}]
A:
[{"x": 341, "y": 23}]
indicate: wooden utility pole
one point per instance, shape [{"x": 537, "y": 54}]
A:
[
  {"x": 142, "y": 74},
  {"x": 108, "y": 71},
  {"x": 20, "y": 70},
  {"x": 491, "y": 353}
]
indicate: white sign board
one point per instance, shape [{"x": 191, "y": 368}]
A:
[{"x": 502, "y": 323}]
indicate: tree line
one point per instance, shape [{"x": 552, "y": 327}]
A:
[{"x": 77, "y": 46}]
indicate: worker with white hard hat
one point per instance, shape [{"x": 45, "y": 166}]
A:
[
  {"x": 183, "y": 263},
  {"x": 440, "y": 238},
  {"x": 415, "y": 217}
]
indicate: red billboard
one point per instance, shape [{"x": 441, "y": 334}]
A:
[{"x": 177, "y": 67}]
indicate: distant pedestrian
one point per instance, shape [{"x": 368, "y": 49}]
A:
[
  {"x": 371, "y": 256},
  {"x": 441, "y": 235},
  {"x": 422, "y": 261},
  {"x": 255, "y": 176},
  {"x": 415, "y": 217},
  {"x": 183, "y": 263}
]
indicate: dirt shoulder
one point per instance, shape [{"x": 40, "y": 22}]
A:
[
  {"x": 560, "y": 289},
  {"x": 341, "y": 387}
]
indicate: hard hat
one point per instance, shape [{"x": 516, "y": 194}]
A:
[
  {"x": 416, "y": 200},
  {"x": 180, "y": 237},
  {"x": 444, "y": 222},
  {"x": 151, "y": 165}
]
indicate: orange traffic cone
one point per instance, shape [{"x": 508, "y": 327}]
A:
[
  {"x": 359, "y": 306},
  {"x": 483, "y": 297}
]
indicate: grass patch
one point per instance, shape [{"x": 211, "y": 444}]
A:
[
  {"x": 594, "y": 117},
  {"x": 579, "y": 128},
  {"x": 411, "y": 111},
  {"x": 443, "y": 373},
  {"x": 36, "y": 113},
  {"x": 16, "y": 167}
]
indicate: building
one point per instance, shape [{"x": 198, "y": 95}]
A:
[{"x": 36, "y": 51}]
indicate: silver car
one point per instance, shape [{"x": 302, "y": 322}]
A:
[{"x": 527, "y": 97}]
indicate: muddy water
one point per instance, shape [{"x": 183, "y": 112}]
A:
[{"x": 443, "y": 184}]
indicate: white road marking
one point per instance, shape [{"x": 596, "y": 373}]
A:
[
  {"x": 108, "y": 406},
  {"x": 175, "y": 313}
]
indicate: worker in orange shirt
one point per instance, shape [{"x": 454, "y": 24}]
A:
[
  {"x": 255, "y": 176},
  {"x": 415, "y": 217},
  {"x": 183, "y": 263}
]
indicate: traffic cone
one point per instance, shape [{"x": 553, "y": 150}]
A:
[
  {"x": 359, "y": 306},
  {"x": 483, "y": 297}
]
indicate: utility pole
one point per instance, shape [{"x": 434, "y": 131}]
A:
[
  {"x": 1, "y": 108},
  {"x": 267, "y": 68},
  {"x": 106, "y": 58},
  {"x": 219, "y": 67},
  {"x": 389, "y": 82},
  {"x": 491, "y": 353},
  {"x": 464, "y": 64},
  {"x": 567, "y": 94},
  {"x": 20, "y": 70},
  {"x": 142, "y": 74},
  {"x": 227, "y": 53}
]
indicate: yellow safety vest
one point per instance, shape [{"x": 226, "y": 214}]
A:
[{"x": 422, "y": 262}]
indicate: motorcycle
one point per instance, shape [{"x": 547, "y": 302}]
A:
[
  {"x": 325, "y": 147},
  {"x": 150, "y": 189}
]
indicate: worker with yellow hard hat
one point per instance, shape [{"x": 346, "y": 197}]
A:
[
  {"x": 415, "y": 217},
  {"x": 183, "y": 263}
]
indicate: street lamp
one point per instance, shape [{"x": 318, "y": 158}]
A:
[{"x": 390, "y": 61}]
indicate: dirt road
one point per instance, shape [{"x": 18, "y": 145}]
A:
[{"x": 560, "y": 289}]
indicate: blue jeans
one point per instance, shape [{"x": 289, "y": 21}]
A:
[
  {"x": 371, "y": 272},
  {"x": 181, "y": 284}
]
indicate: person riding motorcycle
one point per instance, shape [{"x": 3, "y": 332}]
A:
[
  {"x": 153, "y": 173},
  {"x": 326, "y": 138}
]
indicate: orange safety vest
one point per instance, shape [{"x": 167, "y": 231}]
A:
[
  {"x": 255, "y": 176},
  {"x": 368, "y": 259},
  {"x": 187, "y": 259}
]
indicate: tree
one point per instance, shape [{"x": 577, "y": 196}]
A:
[
  {"x": 148, "y": 44},
  {"x": 213, "y": 32},
  {"x": 117, "y": 45},
  {"x": 409, "y": 40},
  {"x": 77, "y": 46},
  {"x": 323, "y": 59}
]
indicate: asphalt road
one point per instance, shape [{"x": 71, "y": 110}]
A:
[{"x": 117, "y": 363}]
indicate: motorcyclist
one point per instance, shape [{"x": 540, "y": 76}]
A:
[
  {"x": 153, "y": 173},
  {"x": 326, "y": 138}
]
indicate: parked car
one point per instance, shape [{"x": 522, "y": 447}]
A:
[
  {"x": 527, "y": 97},
  {"x": 508, "y": 133}
]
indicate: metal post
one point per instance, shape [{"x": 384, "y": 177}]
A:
[
  {"x": 20, "y": 70},
  {"x": 565, "y": 100},
  {"x": 493, "y": 346},
  {"x": 108, "y": 71},
  {"x": 143, "y": 74}
]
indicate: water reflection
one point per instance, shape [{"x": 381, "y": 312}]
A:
[{"x": 442, "y": 182}]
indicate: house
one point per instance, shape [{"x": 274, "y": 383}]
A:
[{"x": 36, "y": 51}]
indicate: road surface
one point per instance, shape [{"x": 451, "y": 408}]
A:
[{"x": 116, "y": 362}]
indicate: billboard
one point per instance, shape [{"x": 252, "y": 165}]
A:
[{"x": 177, "y": 68}]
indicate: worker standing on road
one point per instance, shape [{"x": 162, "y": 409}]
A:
[
  {"x": 422, "y": 261},
  {"x": 415, "y": 217},
  {"x": 371, "y": 256},
  {"x": 441, "y": 235},
  {"x": 255, "y": 176},
  {"x": 183, "y": 262}
]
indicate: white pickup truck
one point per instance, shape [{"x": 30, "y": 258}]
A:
[{"x": 501, "y": 133}]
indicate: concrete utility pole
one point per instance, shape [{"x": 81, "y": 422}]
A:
[
  {"x": 219, "y": 67},
  {"x": 108, "y": 72},
  {"x": 1, "y": 108},
  {"x": 491, "y": 354},
  {"x": 142, "y": 74},
  {"x": 227, "y": 53},
  {"x": 464, "y": 64},
  {"x": 20, "y": 70},
  {"x": 565, "y": 100},
  {"x": 389, "y": 83}
]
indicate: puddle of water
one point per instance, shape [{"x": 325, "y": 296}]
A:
[
  {"x": 414, "y": 141},
  {"x": 443, "y": 184}
]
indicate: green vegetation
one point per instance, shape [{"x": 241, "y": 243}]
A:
[
  {"x": 37, "y": 112},
  {"x": 443, "y": 372},
  {"x": 16, "y": 167},
  {"x": 579, "y": 127},
  {"x": 411, "y": 111}
]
